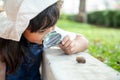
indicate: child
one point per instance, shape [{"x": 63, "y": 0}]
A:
[{"x": 21, "y": 36}]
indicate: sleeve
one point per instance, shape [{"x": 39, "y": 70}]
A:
[{"x": 64, "y": 33}]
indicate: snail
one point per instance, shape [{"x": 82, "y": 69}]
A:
[{"x": 80, "y": 59}]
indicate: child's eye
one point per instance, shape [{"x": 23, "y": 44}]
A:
[{"x": 41, "y": 31}]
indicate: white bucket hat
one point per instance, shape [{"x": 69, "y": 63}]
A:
[{"x": 15, "y": 19}]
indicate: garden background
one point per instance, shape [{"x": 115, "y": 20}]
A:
[{"x": 99, "y": 23}]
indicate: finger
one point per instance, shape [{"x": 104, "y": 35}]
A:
[
  {"x": 65, "y": 39},
  {"x": 68, "y": 48},
  {"x": 61, "y": 46},
  {"x": 72, "y": 44},
  {"x": 68, "y": 52},
  {"x": 67, "y": 44},
  {"x": 73, "y": 48}
]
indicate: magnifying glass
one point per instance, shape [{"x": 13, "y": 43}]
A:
[{"x": 51, "y": 39}]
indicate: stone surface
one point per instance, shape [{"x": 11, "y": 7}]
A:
[{"x": 58, "y": 66}]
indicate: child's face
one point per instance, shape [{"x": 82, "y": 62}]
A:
[{"x": 36, "y": 37}]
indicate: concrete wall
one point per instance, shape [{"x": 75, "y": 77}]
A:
[{"x": 58, "y": 66}]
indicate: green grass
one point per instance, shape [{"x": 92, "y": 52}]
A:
[{"x": 104, "y": 43}]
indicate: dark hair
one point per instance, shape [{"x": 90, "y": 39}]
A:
[
  {"x": 45, "y": 19},
  {"x": 12, "y": 51}
]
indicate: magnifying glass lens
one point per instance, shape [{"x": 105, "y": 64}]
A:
[{"x": 51, "y": 39}]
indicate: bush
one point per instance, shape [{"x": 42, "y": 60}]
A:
[
  {"x": 109, "y": 18},
  {"x": 67, "y": 17},
  {"x": 96, "y": 18},
  {"x": 117, "y": 19},
  {"x": 106, "y": 18}
]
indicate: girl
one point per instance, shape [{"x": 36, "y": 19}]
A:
[{"x": 28, "y": 21}]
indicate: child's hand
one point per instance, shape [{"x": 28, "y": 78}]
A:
[
  {"x": 72, "y": 46},
  {"x": 67, "y": 45}
]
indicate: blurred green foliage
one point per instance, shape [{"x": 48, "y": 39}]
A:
[
  {"x": 107, "y": 18},
  {"x": 104, "y": 43},
  {"x": 70, "y": 17}
]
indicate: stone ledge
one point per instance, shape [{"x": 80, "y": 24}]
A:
[{"x": 58, "y": 66}]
